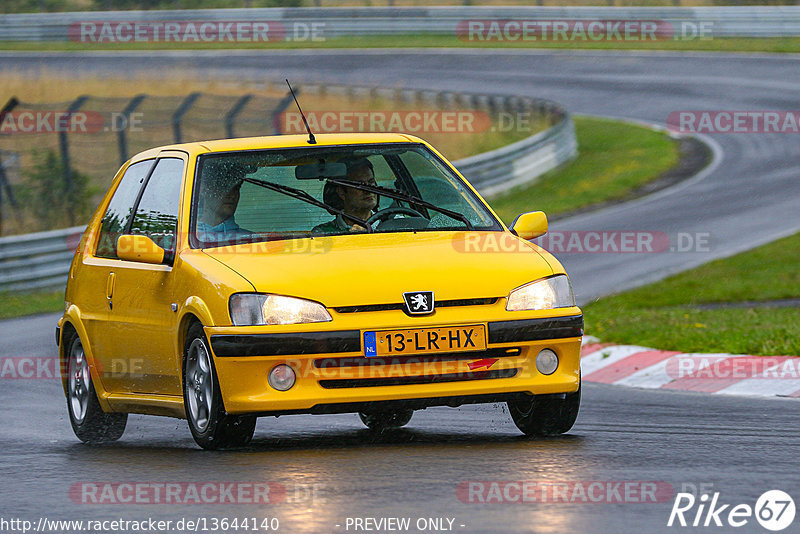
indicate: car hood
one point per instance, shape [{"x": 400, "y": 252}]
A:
[{"x": 378, "y": 268}]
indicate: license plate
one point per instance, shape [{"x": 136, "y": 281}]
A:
[{"x": 425, "y": 340}]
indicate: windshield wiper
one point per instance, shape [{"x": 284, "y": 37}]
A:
[
  {"x": 398, "y": 195},
  {"x": 299, "y": 194}
]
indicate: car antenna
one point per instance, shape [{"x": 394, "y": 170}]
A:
[{"x": 311, "y": 139}]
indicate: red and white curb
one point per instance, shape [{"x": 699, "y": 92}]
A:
[{"x": 724, "y": 374}]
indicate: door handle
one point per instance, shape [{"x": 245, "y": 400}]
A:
[{"x": 110, "y": 287}]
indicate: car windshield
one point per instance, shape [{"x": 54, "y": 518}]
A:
[{"x": 290, "y": 193}]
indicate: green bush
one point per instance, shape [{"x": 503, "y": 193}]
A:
[
  {"x": 35, "y": 6},
  {"x": 46, "y": 195}
]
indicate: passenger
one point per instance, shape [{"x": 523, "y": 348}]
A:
[
  {"x": 352, "y": 201},
  {"x": 217, "y": 203}
]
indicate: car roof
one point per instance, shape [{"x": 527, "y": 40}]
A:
[{"x": 279, "y": 141}]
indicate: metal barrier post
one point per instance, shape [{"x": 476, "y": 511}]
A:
[
  {"x": 179, "y": 113},
  {"x": 230, "y": 117},
  {"x": 124, "y": 117},
  {"x": 4, "y": 185},
  {"x": 64, "y": 145}
]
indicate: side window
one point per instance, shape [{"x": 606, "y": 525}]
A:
[
  {"x": 434, "y": 185},
  {"x": 438, "y": 186},
  {"x": 157, "y": 213},
  {"x": 119, "y": 209}
]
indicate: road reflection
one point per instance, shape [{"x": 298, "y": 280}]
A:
[{"x": 334, "y": 476}]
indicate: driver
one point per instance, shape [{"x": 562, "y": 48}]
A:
[{"x": 352, "y": 201}]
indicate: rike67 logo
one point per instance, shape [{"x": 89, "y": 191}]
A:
[{"x": 774, "y": 510}]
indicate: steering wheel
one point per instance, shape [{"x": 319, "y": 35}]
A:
[{"x": 385, "y": 213}]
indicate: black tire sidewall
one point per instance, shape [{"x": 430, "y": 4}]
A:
[
  {"x": 385, "y": 420},
  {"x": 239, "y": 430},
  {"x": 97, "y": 426},
  {"x": 545, "y": 415}
]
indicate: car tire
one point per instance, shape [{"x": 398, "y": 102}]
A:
[
  {"x": 545, "y": 415},
  {"x": 89, "y": 422},
  {"x": 380, "y": 421},
  {"x": 211, "y": 426}
]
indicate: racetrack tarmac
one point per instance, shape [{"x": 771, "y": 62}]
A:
[{"x": 332, "y": 468}]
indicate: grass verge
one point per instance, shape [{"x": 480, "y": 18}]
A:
[
  {"x": 615, "y": 158},
  {"x": 722, "y": 44},
  {"x": 30, "y": 302},
  {"x": 665, "y": 314}
]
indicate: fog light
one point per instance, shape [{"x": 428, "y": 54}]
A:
[
  {"x": 547, "y": 362},
  {"x": 281, "y": 377}
]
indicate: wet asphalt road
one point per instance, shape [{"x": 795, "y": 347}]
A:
[
  {"x": 331, "y": 468},
  {"x": 742, "y": 447}
]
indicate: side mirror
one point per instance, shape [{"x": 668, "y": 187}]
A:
[
  {"x": 139, "y": 248},
  {"x": 530, "y": 225}
]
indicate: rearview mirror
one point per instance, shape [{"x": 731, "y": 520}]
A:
[
  {"x": 139, "y": 248},
  {"x": 530, "y": 225},
  {"x": 318, "y": 171}
]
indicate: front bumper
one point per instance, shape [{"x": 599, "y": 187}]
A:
[{"x": 334, "y": 376}]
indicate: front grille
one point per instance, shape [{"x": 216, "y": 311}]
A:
[
  {"x": 409, "y": 380},
  {"x": 401, "y": 306},
  {"x": 376, "y": 361}
]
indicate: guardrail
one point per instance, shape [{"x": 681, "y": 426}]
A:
[
  {"x": 42, "y": 260},
  {"x": 37, "y": 261},
  {"x": 309, "y": 23},
  {"x": 522, "y": 162}
]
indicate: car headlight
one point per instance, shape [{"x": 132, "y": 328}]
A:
[
  {"x": 250, "y": 309},
  {"x": 553, "y": 292}
]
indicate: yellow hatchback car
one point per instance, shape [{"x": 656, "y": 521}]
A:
[{"x": 226, "y": 280}]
